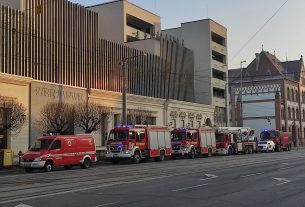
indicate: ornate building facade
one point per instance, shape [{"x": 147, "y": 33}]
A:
[{"x": 270, "y": 94}]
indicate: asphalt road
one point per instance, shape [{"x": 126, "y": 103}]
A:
[{"x": 264, "y": 179}]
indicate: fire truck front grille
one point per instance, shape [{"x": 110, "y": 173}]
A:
[{"x": 116, "y": 148}]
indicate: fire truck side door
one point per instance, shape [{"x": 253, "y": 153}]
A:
[{"x": 140, "y": 140}]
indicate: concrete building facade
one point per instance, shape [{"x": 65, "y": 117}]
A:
[{"x": 208, "y": 40}]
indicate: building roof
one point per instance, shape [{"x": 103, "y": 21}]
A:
[{"x": 267, "y": 66}]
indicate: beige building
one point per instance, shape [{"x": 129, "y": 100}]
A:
[
  {"x": 35, "y": 94},
  {"x": 208, "y": 40}
]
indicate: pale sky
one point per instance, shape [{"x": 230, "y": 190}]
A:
[{"x": 284, "y": 33}]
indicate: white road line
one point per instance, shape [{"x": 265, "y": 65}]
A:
[
  {"x": 106, "y": 204},
  {"x": 282, "y": 180},
  {"x": 83, "y": 189},
  {"x": 249, "y": 175},
  {"x": 209, "y": 176},
  {"x": 285, "y": 168},
  {"x": 195, "y": 186}
]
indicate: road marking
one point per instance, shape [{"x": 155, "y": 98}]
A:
[
  {"x": 191, "y": 187},
  {"x": 285, "y": 168},
  {"x": 23, "y": 205},
  {"x": 106, "y": 204},
  {"x": 282, "y": 180},
  {"x": 285, "y": 163},
  {"x": 84, "y": 189},
  {"x": 209, "y": 176},
  {"x": 249, "y": 175}
]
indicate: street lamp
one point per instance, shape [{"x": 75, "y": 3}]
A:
[
  {"x": 124, "y": 87},
  {"x": 241, "y": 92}
]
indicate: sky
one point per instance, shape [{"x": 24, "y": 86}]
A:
[{"x": 252, "y": 25}]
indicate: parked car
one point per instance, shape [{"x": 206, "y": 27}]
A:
[
  {"x": 266, "y": 146},
  {"x": 52, "y": 151}
]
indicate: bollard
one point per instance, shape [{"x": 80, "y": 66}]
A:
[{"x": 19, "y": 155}]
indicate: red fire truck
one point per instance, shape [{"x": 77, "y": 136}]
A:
[
  {"x": 234, "y": 140},
  {"x": 282, "y": 140},
  {"x": 193, "y": 142},
  {"x": 59, "y": 150},
  {"x": 138, "y": 142}
]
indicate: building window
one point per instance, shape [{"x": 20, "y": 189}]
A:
[
  {"x": 218, "y": 39},
  {"x": 291, "y": 95},
  {"x": 218, "y": 74},
  {"x": 219, "y": 93},
  {"x": 174, "y": 124},
  {"x": 303, "y": 114},
  {"x": 288, "y": 94},
  {"x": 296, "y": 96},
  {"x": 182, "y": 123},
  {"x": 293, "y": 113},
  {"x": 198, "y": 124},
  {"x": 289, "y": 113},
  {"x": 218, "y": 57}
]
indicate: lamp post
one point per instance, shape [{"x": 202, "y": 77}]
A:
[
  {"x": 241, "y": 92},
  {"x": 124, "y": 87}
]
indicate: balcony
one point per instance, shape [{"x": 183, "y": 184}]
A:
[
  {"x": 218, "y": 48},
  {"x": 135, "y": 34},
  {"x": 221, "y": 102},
  {"x": 217, "y": 83}
]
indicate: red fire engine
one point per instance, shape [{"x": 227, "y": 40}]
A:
[
  {"x": 232, "y": 140},
  {"x": 59, "y": 150},
  {"x": 192, "y": 142},
  {"x": 139, "y": 142},
  {"x": 282, "y": 140}
]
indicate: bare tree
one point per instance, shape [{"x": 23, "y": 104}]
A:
[
  {"x": 57, "y": 117},
  {"x": 138, "y": 116},
  {"x": 12, "y": 113},
  {"x": 90, "y": 116}
]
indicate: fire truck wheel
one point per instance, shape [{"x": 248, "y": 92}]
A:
[
  {"x": 161, "y": 157},
  {"x": 192, "y": 154},
  {"x": 28, "y": 170},
  {"x": 136, "y": 158},
  {"x": 247, "y": 150},
  {"x": 86, "y": 164},
  {"x": 250, "y": 150},
  {"x": 210, "y": 153},
  {"x": 48, "y": 167},
  {"x": 229, "y": 151}
]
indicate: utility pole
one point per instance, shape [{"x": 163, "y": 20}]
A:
[
  {"x": 241, "y": 92},
  {"x": 124, "y": 87},
  {"x": 124, "y": 93}
]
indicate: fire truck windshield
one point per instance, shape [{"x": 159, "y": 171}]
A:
[
  {"x": 177, "y": 136},
  {"x": 41, "y": 144},
  {"x": 220, "y": 137},
  {"x": 118, "y": 135}
]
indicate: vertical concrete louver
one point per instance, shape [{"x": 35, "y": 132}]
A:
[{"x": 57, "y": 41}]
